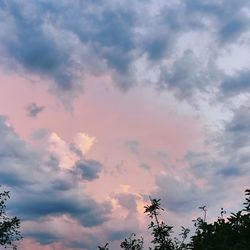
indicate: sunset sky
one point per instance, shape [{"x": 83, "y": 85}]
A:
[{"x": 105, "y": 103}]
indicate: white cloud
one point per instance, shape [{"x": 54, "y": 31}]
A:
[
  {"x": 61, "y": 150},
  {"x": 84, "y": 142}
]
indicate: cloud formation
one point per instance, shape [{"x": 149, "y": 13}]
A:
[
  {"x": 178, "y": 48},
  {"x": 33, "y": 109},
  {"x": 63, "y": 44},
  {"x": 42, "y": 188}
]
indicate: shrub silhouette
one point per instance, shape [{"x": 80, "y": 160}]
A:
[
  {"x": 232, "y": 233},
  {"x": 9, "y": 227}
]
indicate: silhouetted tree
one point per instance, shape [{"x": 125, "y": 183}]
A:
[
  {"x": 9, "y": 227},
  {"x": 131, "y": 243},
  {"x": 232, "y": 233},
  {"x": 160, "y": 231}
]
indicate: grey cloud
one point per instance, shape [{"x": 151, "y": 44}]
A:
[
  {"x": 235, "y": 145},
  {"x": 230, "y": 20},
  {"x": 201, "y": 164},
  {"x": 127, "y": 201},
  {"x": 120, "y": 234},
  {"x": 44, "y": 238},
  {"x": 232, "y": 30},
  {"x": 36, "y": 206},
  {"x": 18, "y": 160},
  {"x": 236, "y": 84},
  {"x": 230, "y": 172},
  {"x": 230, "y": 161},
  {"x": 156, "y": 49},
  {"x": 12, "y": 179},
  {"x": 178, "y": 196},
  {"x": 55, "y": 41},
  {"x": 186, "y": 76},
  {"x": 206, "y": 7},
  {"x": 40, "y": 189},
  {"x": 33, "y": 109},
  {"x": 62, "y": 42},
  {"x": 34, "y": 46},
  {"x": 62, "y": 185},
  {"x": 89, "y": 169},
  {"x": 47, "y": 44},
  {"x": 237, "y": 131},
  {"x": 215, "y": 169}
]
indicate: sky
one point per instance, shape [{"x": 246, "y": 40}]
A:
[{"x": 105, "y": 103}]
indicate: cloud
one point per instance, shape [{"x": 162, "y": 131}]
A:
[
  {"x": 128, "y": 201},
  {"x": 42, "y": 189},
  {"x": 233, "y": 29},
  {"x": 41, "y": 205},
  {"x": 83, "y": 142},
  {"x": 230, "y": 172},
  {"x": 187, "y": 76},
  {"x": 178, "y": 194},
  {"x": 34, "y": 44},
  {"x": 174, "y": 46},
  {"x": 229, "y": 23},
  {"x": 42, "y": 237},
  {"x": 89, "y": 169},
  {"x": 235, "y": 140},
  {"x": 207, "y": 176},
  {"x": 210, "y": 176},
  {"x": 58, "y": 49},
  {"x": 64, "y": 44},
  {"x": 65, "y": 154},
  {"x": 33, "y": 109},
  {"x": 237, "y": 84},
  {"x": 61, "y": 150}
]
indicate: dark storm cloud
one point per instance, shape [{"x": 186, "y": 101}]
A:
[
  {"x": 62, "y": 42},
  {"x": 48, "y": 37},
  {"x": 43, "y": 238},
  {"x": 49, "y": 203},
  {"x": 62, "y": 185},
  {"x": 33, "y": 109},
  {"x": 89, "y": 169},
  {"x": 33, "y": 46},
  {"x": 12, "y": 179}
]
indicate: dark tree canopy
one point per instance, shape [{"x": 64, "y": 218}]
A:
[
  {"x": 9, "y": 227},
  {"x": 232, "y": 233}
]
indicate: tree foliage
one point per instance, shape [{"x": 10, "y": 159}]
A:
[
  {"x": 9, "y": 227},
  {"x": 232, "y": 233}
]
